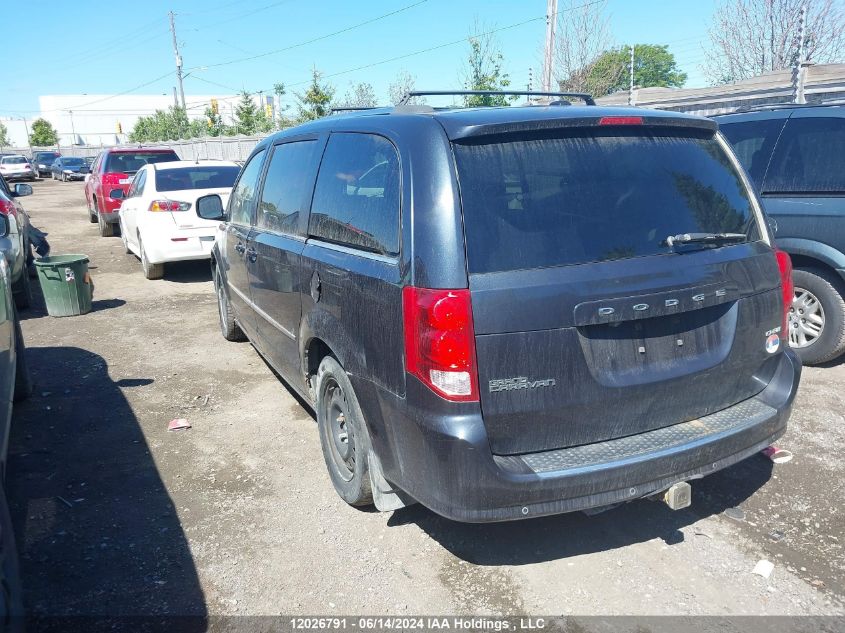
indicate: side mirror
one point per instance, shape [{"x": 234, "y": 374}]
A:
[
  {"x": 210, "y": 207},
  {"x": 22, "y": 189},
  {"x": 117, "y": 194}
]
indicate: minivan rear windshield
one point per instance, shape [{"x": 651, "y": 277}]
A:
[
  {"x": 597, "y": 195},
  {"x": 196, "y": 178},
  {"x": 131, "y": 162}
]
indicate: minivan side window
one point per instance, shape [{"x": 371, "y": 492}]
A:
[
  {"x": 287, "y": 187},
  {"x": 752, "y": 142},
  {"x": 242, "y": 200},
  {"x": 356, "y": 199},
  {"x": 808, "y": 157}
]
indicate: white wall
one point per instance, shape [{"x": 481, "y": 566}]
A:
[
  {"x": 17, "y": 131},
  {"x": 94, "y": 118}
]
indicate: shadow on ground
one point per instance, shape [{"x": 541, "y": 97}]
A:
[
  {"x": 575, "y": 534},
  {"x": 96, "y": 528}
]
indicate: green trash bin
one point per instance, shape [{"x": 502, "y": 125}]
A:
[{"x": 66, "y": 284}]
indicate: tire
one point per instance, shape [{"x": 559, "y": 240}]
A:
[
  {"x": 23, "y": 379},
  {"x": 22, "y": 291},
  {"x": 228, "y": 326},
  {"x": 106, "y": 228},
  {"x": 92, "y": 215},
  {"x": 817, "y": 316},
  {"x": 343, "y": 434},
  {"x": 151, "y": 271}
]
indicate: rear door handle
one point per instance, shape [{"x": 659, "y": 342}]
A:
[{"x": 240, "y": 248}]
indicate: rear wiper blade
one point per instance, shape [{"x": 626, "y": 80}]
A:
[{"x": 704, "y": 238}]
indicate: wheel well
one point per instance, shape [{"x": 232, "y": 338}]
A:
[
  {"x": 803, "y": 261},
  {"x": 316, "y": 351}
]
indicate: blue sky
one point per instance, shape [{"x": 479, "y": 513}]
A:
[{"x": 105, "y": 48}]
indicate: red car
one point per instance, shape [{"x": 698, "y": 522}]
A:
[{"x": 114, "y": 169}]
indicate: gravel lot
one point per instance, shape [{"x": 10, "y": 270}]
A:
[{"x": 115, "y": 515}]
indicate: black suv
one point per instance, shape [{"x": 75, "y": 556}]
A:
[
  {"x": 796, "y": 157},
  {"x": 509, "y": 312}
]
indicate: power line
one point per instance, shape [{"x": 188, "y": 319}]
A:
[
  {"x": 316, "y": 39},
  {"x": 239, "y": 17},
  {"x": 425, "y": 50}
]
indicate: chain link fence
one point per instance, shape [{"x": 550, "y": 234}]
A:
[{"x": 234, "y": 148}]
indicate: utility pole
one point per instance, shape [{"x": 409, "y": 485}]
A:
[
  {"x": 72, "y": 128},
  {"x": 178, "y": 59},
  {"x": 631, "y": 77},
  {"x": 801, "y": 72},
  {"x": 28, "y": 142},
  {"x": 548, "y": 54},
  {"x": 175, "y": 98}
]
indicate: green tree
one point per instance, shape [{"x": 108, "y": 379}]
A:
[
  {"x": 654, "y": 66},
  {"x": 483, "y": 71},
  {"x": 360, "y": 95},
  {"x": 315, "y": 102},
  {"x": 43, "y": 133},
  {"x": 163, "y": 125},
  {"x": 4, "y": 135},
  {"x": 246, "y": 114}
]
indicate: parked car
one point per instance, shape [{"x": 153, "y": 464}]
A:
[
  {"x": 67, "y": 168},
  {"x": 796, "y": 157},
  {"x": 41, "y": 162},
  {"x": 596, "y": 314},
  {"x": 16, "y": 167},
  {"x": 113, "y": 169},
  {"x": 158, "y": 220},
  {"x": 89, "y": 161},
  {"x": 15, "y": 385},
  {"x": 14, "y": 242}
]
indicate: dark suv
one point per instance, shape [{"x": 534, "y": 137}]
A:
[
  {"x": 510, "y": 312},
  {"x": 796, "y": 157}
]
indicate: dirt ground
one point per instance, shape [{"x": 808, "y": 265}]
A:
[{"x": 115, "y": 515}]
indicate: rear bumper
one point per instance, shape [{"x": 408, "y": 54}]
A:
[
  {"x": 19, "y": 175},
  {"x": 444, "y": 460},
  {"x": 162, "y": 249}
]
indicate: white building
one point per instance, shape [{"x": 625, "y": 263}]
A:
[
  {"x": 108, "y": 119},
  {"x": 91, "y": 119}
]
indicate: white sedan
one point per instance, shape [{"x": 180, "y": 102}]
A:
[{"x": 158, "y": 219}]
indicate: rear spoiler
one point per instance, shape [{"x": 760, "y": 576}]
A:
[{"x": 606, "y": 120}]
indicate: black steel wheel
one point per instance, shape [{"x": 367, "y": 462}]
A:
[{"x": 343, "y": 434}]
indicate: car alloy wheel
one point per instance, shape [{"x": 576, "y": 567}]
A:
[{"x": 805, "y": 319}]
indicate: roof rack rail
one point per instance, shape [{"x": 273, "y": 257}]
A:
[
  {"x": 353, "y": 108},
  {"x": 587, "y": 99}
]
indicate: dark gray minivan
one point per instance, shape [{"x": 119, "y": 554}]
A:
[{"x": 510, "y": 312}]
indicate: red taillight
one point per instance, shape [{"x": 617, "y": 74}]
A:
[
  {"x": 440, "y": 341},
  {"x": 785, "y": 267},
  {"x": 168, "y": 205},
  {"x": 27, "y": 166},
  {"x": 621, "y": 120}
]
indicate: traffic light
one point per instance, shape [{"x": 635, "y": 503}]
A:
[{"x": 119, "y": 128}]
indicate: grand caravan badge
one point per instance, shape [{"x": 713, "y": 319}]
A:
[{"x": 522, "y": 382}]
